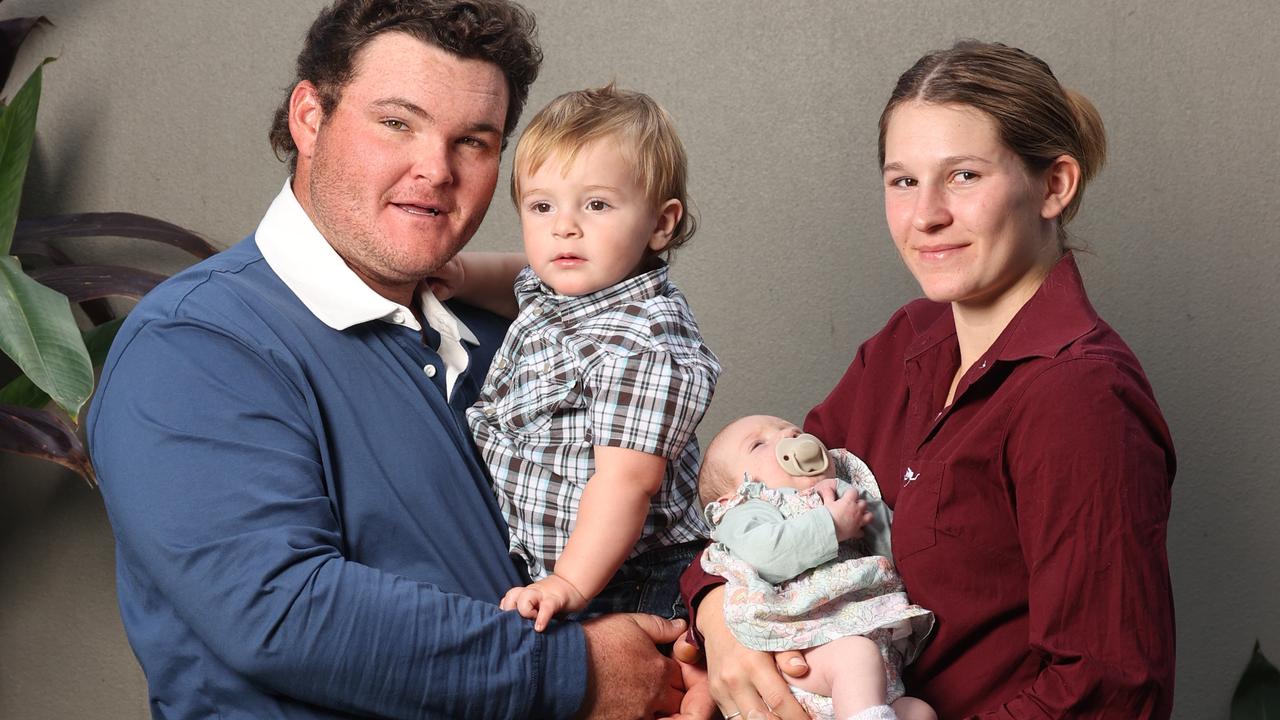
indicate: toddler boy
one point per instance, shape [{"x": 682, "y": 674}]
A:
[{"x": 586, "y": 419}]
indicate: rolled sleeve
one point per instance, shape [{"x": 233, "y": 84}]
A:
[{"x": 647, "y": 401}]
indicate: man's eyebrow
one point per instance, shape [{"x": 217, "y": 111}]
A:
[{"x": 415, "y": 109}]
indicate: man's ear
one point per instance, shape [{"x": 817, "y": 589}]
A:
[
  {"x": 1061, "y": 183},
  {"x": 668, "y": 215},
  {"x": 305, "y": 115}
]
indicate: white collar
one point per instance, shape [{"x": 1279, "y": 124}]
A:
[{"x": 310, "y": 267}]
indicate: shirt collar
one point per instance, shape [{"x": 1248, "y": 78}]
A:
[
  {"x": 1057, "y": 314},
  {"x": 310, "y": 267},
  {"x": 532, "y": 292}
]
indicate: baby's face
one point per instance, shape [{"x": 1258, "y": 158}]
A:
[{"x": 749, "y": 446}]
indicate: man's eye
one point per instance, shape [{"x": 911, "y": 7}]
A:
[
  {"x": 395, "y": 124},
  {"x": 597, "y": 205},
  {"x": 474, "y": 142}
]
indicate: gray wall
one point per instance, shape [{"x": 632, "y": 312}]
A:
[{"x": 162, "y": 108}]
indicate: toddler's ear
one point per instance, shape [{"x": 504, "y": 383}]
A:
[{"x": 668, "y": 215}]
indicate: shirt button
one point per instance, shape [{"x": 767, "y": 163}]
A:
[
  {"x": 490, "y": 411},
  {"x": 500, "y": 363},
  {"x": 983, "y": 365},
  {"x": 430, "y": 370}
]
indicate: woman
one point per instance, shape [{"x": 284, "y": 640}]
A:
[{"x": 1012, "y": 430}]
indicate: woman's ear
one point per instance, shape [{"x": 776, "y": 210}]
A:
[
  {"x": 305, "y": 116},
  {"x": 668, "y": 215},
  {"x": 1061, "y": 183}
]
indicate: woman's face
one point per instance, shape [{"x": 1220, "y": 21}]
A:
[{"x": 964, "y": 212}]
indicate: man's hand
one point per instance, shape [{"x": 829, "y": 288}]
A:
[
  {"x": 542, "y": 600},
  {"x": 849, "y": 512},
  {"x": 626, "y": 675}
]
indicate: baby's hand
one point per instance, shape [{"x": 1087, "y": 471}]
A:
[
  {"x": 542, "y": 600},
  {"x": 849, "y": 512}
]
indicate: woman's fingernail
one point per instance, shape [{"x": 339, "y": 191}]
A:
[
  {"x": 755, "y": 715},
  {"x": 797, "y": 662}
]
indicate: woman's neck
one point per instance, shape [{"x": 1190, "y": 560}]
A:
[{"x": 978, "y": 324}]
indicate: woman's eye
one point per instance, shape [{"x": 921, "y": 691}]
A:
[
  {"x": 903, "y": 182},
  {"x": 597, "y": 205},
  {"x": 965, "y": 176}
]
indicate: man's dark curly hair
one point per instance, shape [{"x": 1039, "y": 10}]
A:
[{"x": 496, "y": 31}]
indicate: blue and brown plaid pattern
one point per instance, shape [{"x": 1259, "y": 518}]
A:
[{"x": 621, "y": 367}]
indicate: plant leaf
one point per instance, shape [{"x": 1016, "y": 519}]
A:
[
  {"x": 1257, "y": 697},
  {"x": 12, "y": 34},
  {"x": 33, "y": 235},
  {"x": 90, "y": 282},
  {"x": 17, "y": 128},
  {"x": 42, "y": 435},
  {"x": 21, "y": 391},
  {"x": 38, "y": 332}
]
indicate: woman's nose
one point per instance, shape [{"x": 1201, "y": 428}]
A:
[{"x": 931, "y": 211}]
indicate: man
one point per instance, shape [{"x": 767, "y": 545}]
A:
[{"x": 302, "y": 526}]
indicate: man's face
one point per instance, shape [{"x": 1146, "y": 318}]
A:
[{"x": 399, "y": 175}]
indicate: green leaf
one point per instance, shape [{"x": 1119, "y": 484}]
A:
[
  {"x": 17, "y": 128},
  {"x": 39, "y": 333},
  {"x": 1257, "y": 697},
  {"x": 24, "y": 393}
]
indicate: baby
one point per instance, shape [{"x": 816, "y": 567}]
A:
[
  {"x": 802, "y": 538},
  {"x": 586, "y": 419}
]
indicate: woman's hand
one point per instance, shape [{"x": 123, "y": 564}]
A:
[{"x": 744, "y": 681}]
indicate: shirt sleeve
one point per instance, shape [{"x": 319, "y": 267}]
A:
[
  {"x": 1092, "y": 464},
  {"x": 216, "y": 490},
  {"x": 647, "y": 401},
  {"x": 778, "y": 548}
]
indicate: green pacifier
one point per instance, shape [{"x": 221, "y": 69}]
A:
[{"x": 803, "y": 455}]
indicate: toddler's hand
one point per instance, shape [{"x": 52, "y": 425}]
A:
[
  {"x": 849, "y": 512},
  {"x": 446, "y": 280},
  {"x": 542, "y": 600}
]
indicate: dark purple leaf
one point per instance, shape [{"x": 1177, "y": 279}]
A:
[
  {"x": 32, "y": 236},
  {"x": 43, "y": 435},
  {"x": 12, "y": 34},
  {"x": 91, "y": 282}
]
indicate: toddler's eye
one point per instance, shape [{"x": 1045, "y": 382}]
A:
[
  {"x": 541, "y": 207},
  {"x": 597, "y": 205}
]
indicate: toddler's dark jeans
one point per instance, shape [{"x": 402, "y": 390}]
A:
[{"x": 649, "y": 583}]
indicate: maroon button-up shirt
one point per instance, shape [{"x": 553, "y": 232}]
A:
[{"x": 1029, "y": 516}]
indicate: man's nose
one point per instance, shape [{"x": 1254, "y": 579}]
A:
[{"x": 434, "y": 163}]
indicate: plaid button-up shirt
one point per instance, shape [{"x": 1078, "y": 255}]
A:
[{"x": 622, "y": 367}]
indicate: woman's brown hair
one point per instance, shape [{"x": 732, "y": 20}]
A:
[{"x": 1036, "y": 117}]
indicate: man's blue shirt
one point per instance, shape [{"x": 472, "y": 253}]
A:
[{"x": 303, "y": 528}]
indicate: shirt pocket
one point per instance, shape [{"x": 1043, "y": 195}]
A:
[
  {"x": 544, "y": 384},
  {"x": 915, "y": 514}
]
